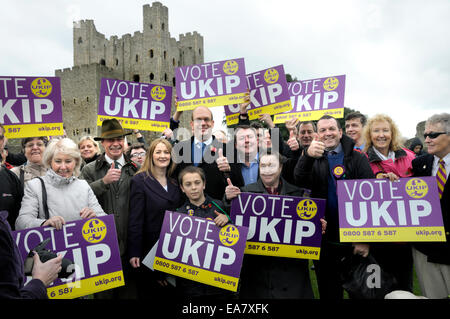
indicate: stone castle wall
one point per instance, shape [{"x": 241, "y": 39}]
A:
[{"x": 149, "y": 56}]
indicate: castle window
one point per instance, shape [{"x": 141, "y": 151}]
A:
[
  {"x": 173, "y": 62},
  {"x": 162, "y": 26},
  {"x": 173, "y": 82},
  {"x": 137, "y": 58},
  {"x": 200, "y": 51},
  {"x": 117, "y": 61},
  {"x": 152, "y": 76},
  {"x": 151, "y": 53},
  {"x": 165, "y": 77},
  {"x": 74, "y": 101},
  {"x": 102, "y": 62},
  {"x": 80, "y": 40},
  {"x": 87, "y": 98},
  {"x": 136, "y": 78},
  {"x": 151, "y": 26},
  {"x": 165, "y": 55}
]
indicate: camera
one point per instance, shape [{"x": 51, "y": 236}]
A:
[{"x": 67, "y": 266}]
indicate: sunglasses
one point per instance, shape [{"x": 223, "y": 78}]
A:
[{"x": 433, "y": 135}]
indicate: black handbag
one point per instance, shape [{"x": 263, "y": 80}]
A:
[{"x": 363, "y": 278}]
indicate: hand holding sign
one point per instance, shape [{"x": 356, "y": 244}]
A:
[
  {"x": 221, "y": 220},
  {"x": 231, "y": 191},
  {"x": 113, "y": 175},
  {"x": 222, "y": 162},
  {"x": 243, "y": 107},
  {"x": 87, "y": 213},
  {"x": 292, "y": 142},
  {"x": 316, "y": 149}
]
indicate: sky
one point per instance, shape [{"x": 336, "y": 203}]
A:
[{"x": 395, "y": 54}]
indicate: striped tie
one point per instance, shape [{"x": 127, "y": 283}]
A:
[{"x": 441, "y": 177}]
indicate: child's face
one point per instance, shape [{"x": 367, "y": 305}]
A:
[{"x": 193, "y": 186}]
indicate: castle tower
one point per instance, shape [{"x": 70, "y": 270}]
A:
[{"x": 149, "y": 56}]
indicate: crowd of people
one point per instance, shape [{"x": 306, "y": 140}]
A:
[{"x": 57, "y": 181}]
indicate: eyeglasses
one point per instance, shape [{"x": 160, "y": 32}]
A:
[
  {"x": 433, "y": 135},
  {"x": 138, "y": 154},
  {"x": 31, "y": 145}
]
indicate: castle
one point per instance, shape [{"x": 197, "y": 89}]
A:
[{"x": 149, "y": 56}]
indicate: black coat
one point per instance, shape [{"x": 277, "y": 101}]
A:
[
  {"x": 11, "y": 193},
  {"x": 313, "y": 174},
  {"x": 436, "y": 252},
  {"x": 268, "y": 277},
  {"x": 12, "y": 276},
  {"x": 215, "y": 179},
  {"x": 148, "y": 203}
]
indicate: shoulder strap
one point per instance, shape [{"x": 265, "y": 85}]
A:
[
  {"x": 22, "y": 176},
  {"x": 44, "y": 199}
]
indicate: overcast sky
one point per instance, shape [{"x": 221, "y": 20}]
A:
[{"x": 395, "y": 54}]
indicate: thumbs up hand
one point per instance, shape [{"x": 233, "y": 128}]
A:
[
  {"x": 292, "y": 141},
  {"x": 113, "y": 175},
  {"x": 231, "y": 191},
  {"x": 317, "y": 148},
  {"x": 222, "y": 162}
]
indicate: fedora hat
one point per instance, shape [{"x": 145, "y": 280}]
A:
[{"x": 111, "y": 128}]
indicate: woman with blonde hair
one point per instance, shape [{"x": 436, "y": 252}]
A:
[
  {"x": 153, "y": 191},
  {"x": 59, "y": 196},
  {"x": 389, "y": 159},
  {"x": 89, "y": 149}
]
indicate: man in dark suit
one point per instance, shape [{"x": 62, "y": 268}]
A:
[
  {"x": 205, "y": 151},
  {"x": 432, "y": 260}
]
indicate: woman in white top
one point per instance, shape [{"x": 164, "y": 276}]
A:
[
  {"x": 33, "y": 148},
  {"x": 68, "y": 198}
]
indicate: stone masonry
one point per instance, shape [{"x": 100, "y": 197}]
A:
[{"x": 149, "y": 56}]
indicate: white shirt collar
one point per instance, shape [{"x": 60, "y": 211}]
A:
[
  {"x": 446, "y": 165},
  {"x": 121, "y": 160},
  {"x": 391, "y": 155},
  {"x": 207, "y": 142}
]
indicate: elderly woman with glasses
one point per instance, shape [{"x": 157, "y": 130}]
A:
[
  {"x": 68, "y": 198},
  {"x": 33, "y": 148}
]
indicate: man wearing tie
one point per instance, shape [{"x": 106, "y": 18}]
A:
[
  {"x": 109, "y": 177},
  {"x": 432, "y": 260},
  {"x": 205, "y": 151}
]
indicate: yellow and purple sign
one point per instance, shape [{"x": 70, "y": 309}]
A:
[
  {"x": 141, "y": 106},
  {"x": 280, "y": 226},
  {"x": 30, "y": 106},
  {"x": 196, "y": 249},
  {"x": 312, "y": 99},
  {"x": 210, "y": 84},
  {"x": 378, "y": 210},
  {"x": 91, "y": 244}
]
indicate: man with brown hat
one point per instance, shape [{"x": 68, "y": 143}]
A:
[{"x": 109, "y": 177}]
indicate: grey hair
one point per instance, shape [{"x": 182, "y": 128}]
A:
[
  {"x": 443, "y": 119},
  {"x": 62, "y": 146}
]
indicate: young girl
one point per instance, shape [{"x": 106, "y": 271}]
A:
[{"x": 192, "y": 182}]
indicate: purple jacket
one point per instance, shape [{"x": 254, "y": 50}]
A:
[{"x": 12, "y": 276}]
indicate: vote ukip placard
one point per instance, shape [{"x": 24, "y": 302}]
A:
[
  {"x": 311, "y": 99},
  {"x": 379, "y": 210},
  {"x": 92, "y": 246},
  {"x": 30, "y": 106},
  {"x": 141, "y": 106},
  {"x": 196, "y": 249},
  {"x": 282, "y": 226},
  {"x": 210, "y": 84}
]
